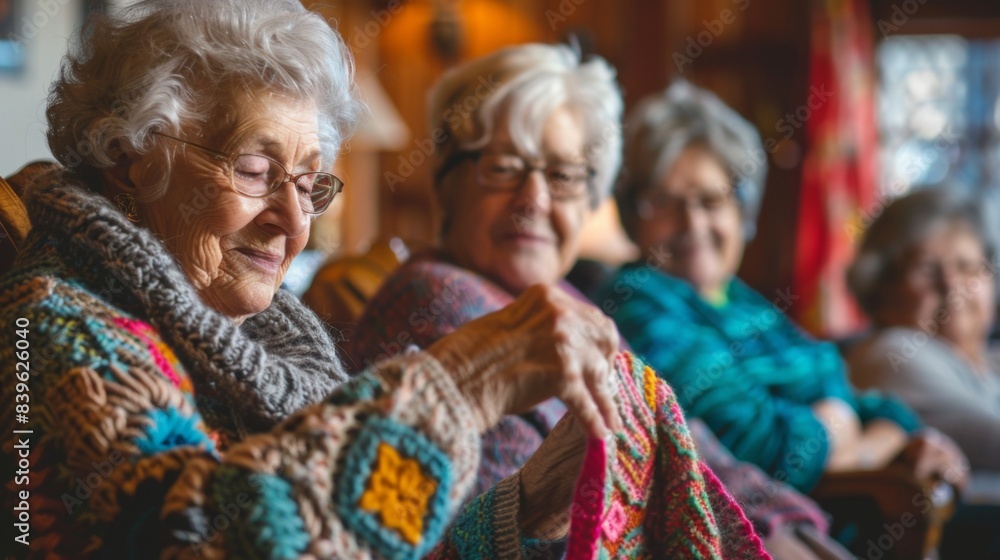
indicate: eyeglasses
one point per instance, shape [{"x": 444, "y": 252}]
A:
[
  {"x": 507, "y": 172},
  {"x": 929, "y": 269},
  {"x": 258, "y": 176},
  {"x": 662, "y": 205}
]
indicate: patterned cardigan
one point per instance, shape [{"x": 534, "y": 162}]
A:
[
  {"x": 150, "y": 426},
  {"x": 427, "y": 297}
]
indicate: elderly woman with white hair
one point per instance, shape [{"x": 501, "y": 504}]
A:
[
  {"x": 505, "y": 228},
  {"x": 169, "y": 399},
  {"x": 694, "y": 174},
  {"x": 516, "y": 178}
]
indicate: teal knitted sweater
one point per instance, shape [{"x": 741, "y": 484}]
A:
[{"x": 744, "y": 368}]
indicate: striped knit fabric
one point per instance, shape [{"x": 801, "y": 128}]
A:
[{"x": 645, "y": 494}]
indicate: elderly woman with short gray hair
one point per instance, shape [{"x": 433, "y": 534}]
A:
[
  {"x": 694, "y": 172},
  {"x": 925, "y": 274},
  {"x": 175, "y": 402}
]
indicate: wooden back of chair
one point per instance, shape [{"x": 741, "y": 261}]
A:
[
  {"x": 14, "y": 225},
  {"x": 341, "y": 289}
]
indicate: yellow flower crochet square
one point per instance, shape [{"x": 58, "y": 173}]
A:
[{"x": 398, "y": 491}]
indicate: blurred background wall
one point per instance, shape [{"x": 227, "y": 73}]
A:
[{"x": 935, "y": 113}]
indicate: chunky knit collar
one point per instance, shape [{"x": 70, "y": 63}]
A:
[{"x": 273, "y": 364}]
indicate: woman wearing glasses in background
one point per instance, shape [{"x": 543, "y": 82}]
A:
[{"x": 773, "y": 395}]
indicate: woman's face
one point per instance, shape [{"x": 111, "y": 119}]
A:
[
  {"x": 944, "y": 286},
  {"x": 524, "y": 236},
  {"x": 235, "y": 249},
  {"x": 693, "y": 215}
]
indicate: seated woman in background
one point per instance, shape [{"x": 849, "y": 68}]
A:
[
  {"x": 693, "y": 178},
  {"x": 924, "y": 275},
  {"x": 181, "y": 405},
  {"x": 507, "y": 227}
]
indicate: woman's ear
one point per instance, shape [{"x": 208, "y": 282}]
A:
[{"x": 122, "y": 175}]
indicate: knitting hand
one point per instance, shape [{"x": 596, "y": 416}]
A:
[
  {"x": 546, "y": 344},
  {"x": 548, "y": 480}
]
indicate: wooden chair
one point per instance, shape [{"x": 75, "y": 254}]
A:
[
  {"x": 14, "y": 225},
  {"x": 14, "y": 222},
  {"x": 891, "y": 514},
  {"x": 342, "y": 287}
]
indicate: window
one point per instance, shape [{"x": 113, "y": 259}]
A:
[{"x": 939, "y": 113}]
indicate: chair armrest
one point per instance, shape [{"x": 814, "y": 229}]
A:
[{"x": 893, "y": 511}]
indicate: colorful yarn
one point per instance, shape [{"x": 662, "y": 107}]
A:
[
  {"x": 264, "y": 516},
  {"x": 657, "y": 502},
  {"x": 398, "y": 492},
  {"x": 425, "y": 299},
  {"x": 168, "y": 428},
  {"x": 162, "y": 355},
  {"x": 394, "y": 489}
]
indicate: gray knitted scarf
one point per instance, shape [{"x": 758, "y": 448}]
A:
[{"x": 273, "y": 364}]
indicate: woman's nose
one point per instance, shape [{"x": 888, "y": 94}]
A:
[
  {"x": 284, "y": 211},
  {"x": 948, "y": 277},
  {"x": 534, "y": 193},
  {"x": 693, "y": 216}
]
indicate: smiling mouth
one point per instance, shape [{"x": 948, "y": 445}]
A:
[
  {"x": 268, "y": 262},
  {"x": 525, "y": 238}
]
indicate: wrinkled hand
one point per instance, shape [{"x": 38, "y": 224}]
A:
[
  {"x": 548, "y": 480},
  {"x": 546, "y": 344},
  {"x": 934, "y": 455}
]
